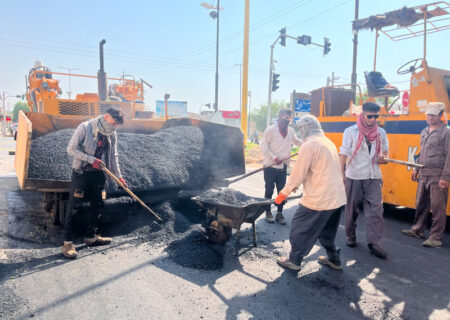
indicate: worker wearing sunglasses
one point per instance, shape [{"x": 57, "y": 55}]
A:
[{"x": 364, "y": 145}]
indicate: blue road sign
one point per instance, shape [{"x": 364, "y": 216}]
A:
[{"x": 302, "y": 105}]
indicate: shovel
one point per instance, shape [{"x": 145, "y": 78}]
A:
[
  {"x": 135, "y": 197},
  {"x": 405, "y": 163},
  {"x": 226, "y": 183}
]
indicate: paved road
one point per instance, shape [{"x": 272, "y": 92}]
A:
[{"x": 141, "y": 281}]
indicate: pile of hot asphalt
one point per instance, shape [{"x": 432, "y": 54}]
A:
[
  {"x": 162, "y": 160},
  {"x": 226, "y": 196}
]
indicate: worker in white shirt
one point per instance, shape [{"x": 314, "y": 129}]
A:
[{"x": 276, "y": 146}]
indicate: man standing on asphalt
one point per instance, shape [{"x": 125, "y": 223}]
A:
[
  {"x": 365, "y": 145},
  {"x": 433, "y": 179},
  {"x": 318, "y": 214},
  {"x": 93, "y": 145},
  {"x": 276, "y": 147}
]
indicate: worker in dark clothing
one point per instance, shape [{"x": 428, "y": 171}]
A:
[
  {"x": 276, "y": 147},
  {"x": 433, "y": 179},
  {"x": 93, "y": 145}
]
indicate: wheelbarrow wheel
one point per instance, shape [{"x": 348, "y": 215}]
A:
[{"x": 218, "y": 233}]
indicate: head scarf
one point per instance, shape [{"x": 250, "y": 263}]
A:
[
  {"x": 434, "y": 108},
  {"x": 104, "y": 127},
  {"x": 309, "y": 126},
  {"x": 371, "y": 134},
  {"x": 99, "y": 124}
]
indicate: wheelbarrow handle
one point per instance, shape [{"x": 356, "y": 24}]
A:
[
  {"x": 259, "y": 169},
  {"x": 272, "y": 201}
]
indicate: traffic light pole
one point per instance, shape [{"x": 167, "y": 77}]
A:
[{"x": 269, "y": 98}]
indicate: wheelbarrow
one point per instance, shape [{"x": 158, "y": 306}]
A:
[{"x": 222, "y": 218}]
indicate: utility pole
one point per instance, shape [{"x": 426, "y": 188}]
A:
[
  {"x": 69, "y": 93},
  {"x": 332, "y": 80},
  {"x": 355, "y": 47},
  {"x": 245, "y": 53}
]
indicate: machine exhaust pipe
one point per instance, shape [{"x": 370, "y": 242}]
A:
[{"x": 101, "y": 75}]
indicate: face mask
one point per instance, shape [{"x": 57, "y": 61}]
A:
[
  {"x": 283, "y": 123},
  {"x": 105, "y": 127}
]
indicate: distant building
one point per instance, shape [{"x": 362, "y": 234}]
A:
[{"x": 230, "y": 118}]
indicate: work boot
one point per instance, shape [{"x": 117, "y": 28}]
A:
[
  {"x": 97, "y": 241},
  {"x": 432, "y": 243},
  {"x": 351, "y": 242},
  {"x": 68, "y": 250},
  {"x": 377, "y": 251},
  {"x": 280, "y": 218},
  {"x": 412, "y": 233},
  {"x": 333, "y": 260},
  {"x": 269, "y": 217},
  {"x": 285, "y": 262}
]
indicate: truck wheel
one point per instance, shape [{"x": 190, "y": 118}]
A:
[{"x": 62, "y": 211}]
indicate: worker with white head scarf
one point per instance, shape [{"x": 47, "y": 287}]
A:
[
  {"x": 433, "y": 179},
  {"x": 319, "y": 211}
]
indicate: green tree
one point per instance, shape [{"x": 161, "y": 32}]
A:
[
  {"x": 259, "y": 116},
  {"x": 21, "y": 105}
]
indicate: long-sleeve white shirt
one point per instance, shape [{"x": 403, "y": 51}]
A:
[
  {"x": 274, "y": 145},
  {"x": 362, "y": 166}
]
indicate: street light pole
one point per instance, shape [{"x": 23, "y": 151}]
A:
[
  {"x": 215, "y": 15},
  {"x": 216, "y": 99},
  {"x": 240, "y": 84},
  {"x": 249, "y": 95}
]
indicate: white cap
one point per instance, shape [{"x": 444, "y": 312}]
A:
[
  {"x": 38, "y": 64},
  {"x": 434, "y": 108}
]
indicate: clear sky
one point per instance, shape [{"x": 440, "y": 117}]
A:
[{"x": 171, "y": 44}]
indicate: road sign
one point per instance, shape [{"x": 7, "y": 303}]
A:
[
  {"x": 302, "y": 105},
  {"x": 405, "y": 99}
]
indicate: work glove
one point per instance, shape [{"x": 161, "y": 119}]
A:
[
  {"x": 277, "y": 160},
  {"x": 280, "y": 199},
  {"x": 98, "y": 164},
  {"x": 123, "y": 181}
]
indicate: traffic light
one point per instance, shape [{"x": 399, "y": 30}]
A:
[
  {"x": 326, "y": 46},
  {"x": 283, "y": 37},
  {"x": 304, "y": 40},
  {"x": 275, "y": 81}
]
